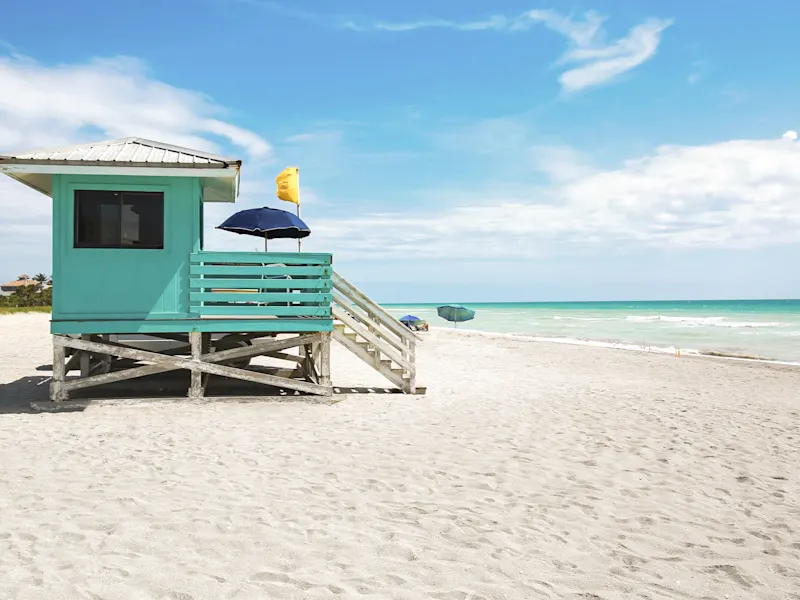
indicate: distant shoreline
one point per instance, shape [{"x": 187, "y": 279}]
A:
[
  {"x": 616, "y": 345},
  {"x": 563, "y": 302}
]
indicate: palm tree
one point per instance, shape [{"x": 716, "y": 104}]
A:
[{"x": 40, "y": 278}]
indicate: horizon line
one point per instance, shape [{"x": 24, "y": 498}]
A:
[{"x": 594, "y": 301}]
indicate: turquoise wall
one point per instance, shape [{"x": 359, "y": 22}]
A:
[{"x": 117, "y": 283}]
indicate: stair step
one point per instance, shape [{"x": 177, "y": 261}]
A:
[
  {"x": 376, "y": 352},
  {"x": 401, "y": 373}
]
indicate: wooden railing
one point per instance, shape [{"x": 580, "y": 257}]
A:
[
  {"x": 375, "y": 336},
  {"x": 261, "y": 284}
]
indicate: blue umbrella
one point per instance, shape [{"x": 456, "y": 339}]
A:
[
  {"x": 455, "y": 313},
  {"x": 409, "y": 319},
  {"x": 267, "y": 223},
  {"x": 412, "y": 322}
]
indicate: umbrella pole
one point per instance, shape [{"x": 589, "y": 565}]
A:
[
  {"x": 265, "y": 242},
  {"x": 298, "y": 216}
]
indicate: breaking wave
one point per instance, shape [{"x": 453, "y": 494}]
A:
[
  {"x": 701, "y": 321},
  {"x": 681, "y": 321}
]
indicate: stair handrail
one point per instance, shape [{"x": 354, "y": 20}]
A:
[
  {"x": 359, "y": 298},
  {"x": 384, "y": 333},
  {"x": 391, "y": 353}
]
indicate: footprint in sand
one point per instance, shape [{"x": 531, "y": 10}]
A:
[
  {"x": 271, "y": 577},
  {"x": 280, "y": 579},
  {"x": 733, "y": 572},
  {"x": 455, "y": 595},
  {"x": 178, "y": 596}
]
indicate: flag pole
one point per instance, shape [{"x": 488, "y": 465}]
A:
[{"x": 298, "y": 204}]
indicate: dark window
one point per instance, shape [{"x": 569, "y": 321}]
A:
[{"x": 119, "y": 219}]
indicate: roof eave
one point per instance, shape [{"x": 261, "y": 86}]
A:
[
  {"x": 9, "y": 160},
  {"x": 149, "y": 169},
  {"x": 121, "y": 142}
]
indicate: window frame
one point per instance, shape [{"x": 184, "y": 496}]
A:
[{"x": 121, "y": 192}]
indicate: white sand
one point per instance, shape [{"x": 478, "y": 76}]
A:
[{"x": 530, "y": 470}]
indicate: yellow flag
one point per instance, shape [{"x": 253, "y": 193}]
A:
[{"x": 289, "y": 185}]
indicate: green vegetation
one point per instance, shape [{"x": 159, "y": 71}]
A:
[
  {"x": 29, "y": 298},
  {"x": 11, "y": 310}
]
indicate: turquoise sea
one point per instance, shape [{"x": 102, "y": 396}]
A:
[{"x": 768, "y": 329}]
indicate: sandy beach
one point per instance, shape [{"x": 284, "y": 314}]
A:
[{"x": 529, "y": 470}]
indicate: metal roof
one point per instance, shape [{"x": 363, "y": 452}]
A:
[
  {"x": 125, "y": 151},
  {"x": 126, "y": 156}
]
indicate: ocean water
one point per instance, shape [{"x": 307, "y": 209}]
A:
[{"x": 767, "y": 329}]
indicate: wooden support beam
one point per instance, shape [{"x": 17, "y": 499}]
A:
[
  {"x": 205, "y": 347},
  {"x": 325, "y": 359},
  {"x": 205, "y": 363},
  {"x": 412, "y": 358},
  {"x": 258, "y": 348},
  {"x": 73, "y": 362},
  {"x": 86, "y": 358},
  {"x": 177, "y": 337},
  {"x": 308, "y": 362},
  {"x": 278, "y": 372},
  {"x": 263, "y": 378},
  {"x": 57, "y": 391},
  {"x": 313, "y": 359},
  {"x": 284, "y": 356},
  {"x": 196, "y": 385},
  {"x": 134, "y": 373}
]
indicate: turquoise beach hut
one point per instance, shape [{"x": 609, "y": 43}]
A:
[{"x": 128, "y": 258}]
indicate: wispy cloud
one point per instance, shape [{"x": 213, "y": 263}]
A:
[
  {"x": 697, "y": 72},
  {"x": 604, "y": 63},
  {"x": 598, "y": 62},
  {"x": 594, "y": 61}
]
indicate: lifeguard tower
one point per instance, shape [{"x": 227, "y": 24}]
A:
[{"x": 128, "y": 258}]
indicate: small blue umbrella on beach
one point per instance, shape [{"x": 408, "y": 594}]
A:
[
  {"x": 455, "y": 313},
  {"x": 267, "y": 223},
  {"x": 409, "y": 319},
  {"x": 412, "y": 322}
]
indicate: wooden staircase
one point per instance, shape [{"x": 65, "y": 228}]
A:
[{"x": 376, "y": 337}]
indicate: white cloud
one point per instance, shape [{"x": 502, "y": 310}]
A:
[
  {"x": 604, "y": 63},
  {"x": 736, "y": 194},
  {"x": 43, "y": 105},
  {"x": 790, "y": 135},
  {"x": 599, "y": 62},
  {"x": 698, "y": 71}
]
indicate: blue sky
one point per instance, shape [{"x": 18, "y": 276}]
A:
[{"x": 449, "y": 151}]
